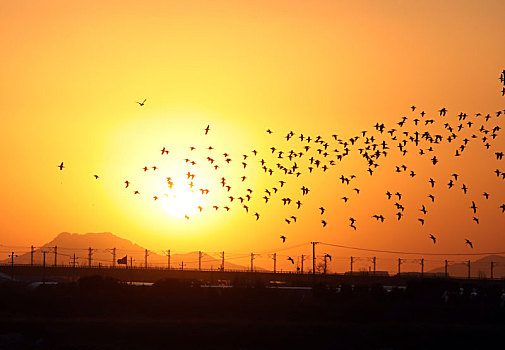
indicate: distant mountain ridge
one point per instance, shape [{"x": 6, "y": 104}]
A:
[
  {"x": 102, "y": 244},
  {"x": 480, "y": 268}
]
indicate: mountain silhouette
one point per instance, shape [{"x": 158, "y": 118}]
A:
[
  {"x": 102, "y": 244},
  {"x": 480, "y": 268}
]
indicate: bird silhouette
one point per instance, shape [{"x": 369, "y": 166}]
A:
[
  {"x": 283, "y": 238},
  {"x": 61, "y": 166},
  {"x": 473, "y": 207},
  {"x": 433, "y": 239},
  {"x": 142, "y": 103},
  {"x": 469, "y": 243}
]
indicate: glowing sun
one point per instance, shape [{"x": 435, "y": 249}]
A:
[{"x": 181, "y": 201}]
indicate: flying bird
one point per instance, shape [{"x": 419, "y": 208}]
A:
[{"x": 141, "y": 103}]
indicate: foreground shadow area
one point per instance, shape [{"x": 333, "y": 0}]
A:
[{"x": 98, "y": 313}]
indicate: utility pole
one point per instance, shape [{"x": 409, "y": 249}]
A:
[
  {"x": 182, "y": 265},
  {"x": 399, "y": 263},
  {"x": 374, "y": 261},
  {"x": 252, "y": 260},
  {"x": 168, "y": 259},
  {"x": 422, "y": 267},
  {"x": 55, "y": 255},
  {"x": 90, "y": 253},
  {"x": 32, "y": 251},
  {"x": 113, "y": 257},
  {"x": 131, "y": 262},
  {"x": 352, "y": 261},
  {"x": 492, "y": 268},
  {"x": 314, "y": 257},
  {"x": 275, "y": 262},
  {"x": 468, "y": 264},
  {"x": 73, "y": 262},
  {"x": 445, "y": 269},
  {"x": 325, "y": 263},
  {"x": 222, "y": 261},
  {"x": 200, "y": 261},
  {"x": 12, "y": 255},
  {"x": 303, "y": 258},
  {"x": 147, "y": 253}
]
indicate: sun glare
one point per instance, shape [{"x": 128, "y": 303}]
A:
[{"x": 181, "y": 201}]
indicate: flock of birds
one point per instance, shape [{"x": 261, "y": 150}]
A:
[
  {"x": 303, "y": 155},
  {"x": 502, "y": 80}
]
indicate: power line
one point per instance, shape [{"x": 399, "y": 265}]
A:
[{"x": 403, "y": 252}]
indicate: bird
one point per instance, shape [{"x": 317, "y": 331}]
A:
[
  {"x": 291, "y": 259},
  {"x": 142, "y": 103},
  {"x": 433, "y": 238},
  {"x": 473, "y": 207},
  {"x": 283, "y": 238},
  {"x": 469, "y": 243},
  {"x": 322, "y": 210},
  {"x": 207, "y": 129},
  {"x": 127, "y": 183},
  {"x": 324, "y": 223},
  {"x": 61, "y": 166},
  {"x": 96, "y": 176}
]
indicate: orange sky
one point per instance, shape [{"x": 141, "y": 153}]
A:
[{"x": 72, "y": 71}]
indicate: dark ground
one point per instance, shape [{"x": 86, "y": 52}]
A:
[{"x": 103, "y": 314}]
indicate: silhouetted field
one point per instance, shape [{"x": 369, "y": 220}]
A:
[{"x": 98, "y": 313}]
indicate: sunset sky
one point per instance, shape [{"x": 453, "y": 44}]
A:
[{"x": 72, "y": 72}]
